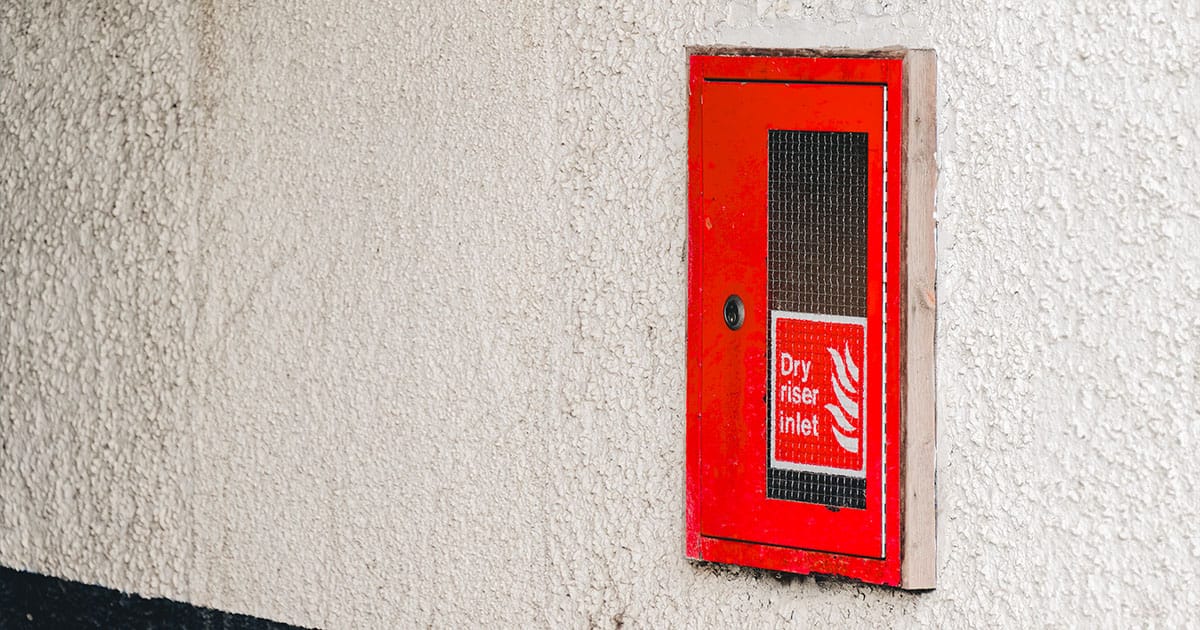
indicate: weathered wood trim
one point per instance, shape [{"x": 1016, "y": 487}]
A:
[
  {"x": 918, "y": 544},
  {"x": 890, "y": 52}
]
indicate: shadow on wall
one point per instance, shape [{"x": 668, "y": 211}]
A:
[{"x": 29, "y": 600}]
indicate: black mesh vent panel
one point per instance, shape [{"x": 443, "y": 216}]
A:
[
  {"x": 816, "y": 261},
  {"x": 817, "y": 222}
]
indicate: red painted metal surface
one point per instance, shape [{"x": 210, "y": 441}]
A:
[{"x": 734, "y": 101}]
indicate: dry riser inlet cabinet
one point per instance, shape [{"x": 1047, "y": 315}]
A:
[{"x": 810, "y": 402}]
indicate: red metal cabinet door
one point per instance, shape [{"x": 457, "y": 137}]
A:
[{"x": 737, "y": 122}]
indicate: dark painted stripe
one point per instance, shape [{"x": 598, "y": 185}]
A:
[{"x": 30, "y": 600}]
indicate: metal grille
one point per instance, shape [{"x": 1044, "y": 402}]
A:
[
  {"x": 817, "y": 222},
  {"x": 816, "y": 262},
  {"x": 810, "y": 487}
]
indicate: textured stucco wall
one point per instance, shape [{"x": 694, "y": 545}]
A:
[
  {"x": 98, "y": 156},
  {"x": 373, "y": 314}
]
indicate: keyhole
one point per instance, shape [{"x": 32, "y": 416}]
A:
[{"x": 735, "y": 312}]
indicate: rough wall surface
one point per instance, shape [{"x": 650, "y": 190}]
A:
[
  {"x": 98, "y": 147},
  {"x": 383, "y": 324}
]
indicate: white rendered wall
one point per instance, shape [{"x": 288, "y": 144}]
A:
[{"x": 373, "y": 314}]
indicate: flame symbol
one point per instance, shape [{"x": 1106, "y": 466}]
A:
[{"x": 845, "y": 378}]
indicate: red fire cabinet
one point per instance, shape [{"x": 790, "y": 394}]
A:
[{"x": 810, "y": 313}]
